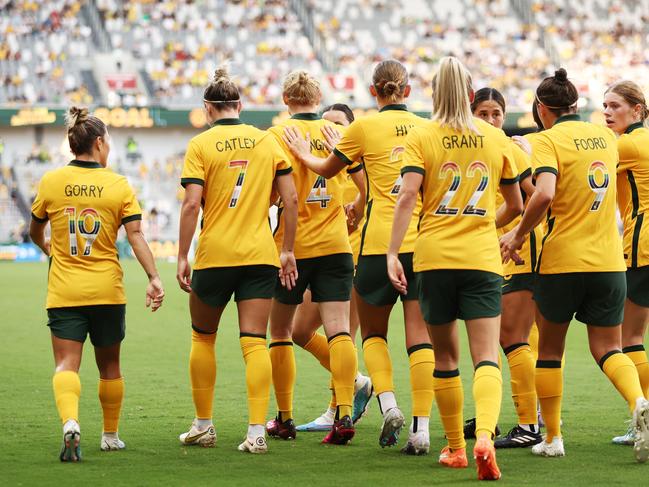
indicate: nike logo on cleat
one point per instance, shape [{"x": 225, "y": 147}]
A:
[{"x": 191, "y": 439}]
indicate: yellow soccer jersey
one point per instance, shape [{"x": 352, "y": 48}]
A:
[
  {"x": 85, "y": 204},
  {"x": 529, "y": 251},
  {"x": 581, "y": 233},
  {"x": 321, "y": 225},
  {"x": 379, "y": 141},
  {"x": 350, "y": 191},
  {"x": 633, "y": 193},
  {"x": 462, "y": 172},
  {"x": 236, "y": 164}
]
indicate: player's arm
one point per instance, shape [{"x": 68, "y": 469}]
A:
[
  {"x": 288, "y": 194},
  {"x": 356, "y": 209},
  {"x": 154, "y": 291},
  {"x": 513, "y": 205},
  {"x": 37, "y": 234},
  {"x": 406, "y": 201},
  {"x": 301, "y": 149},
  {"x": 189, "y": 211}
]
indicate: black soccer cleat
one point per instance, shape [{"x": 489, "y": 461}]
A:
[
  {"x": 469, "y": 429},
  {"x": 518, "y": 438}
]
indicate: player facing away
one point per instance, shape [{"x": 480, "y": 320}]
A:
[
  {"x": 379, "y": 140},
  {"x": 458, "y": 162},
  {"x": 581, "y": 265},
  {"x": 626, "y": 111},
  {"x": 229, "y": 171},
  {"x": 85, "y": 204},
  {"x": 324, "y": 263},
  {"x": 517, "y": 304},
  {"x": 307, "y": 318}
]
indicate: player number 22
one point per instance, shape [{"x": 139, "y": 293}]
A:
[
  {"x": 88, "y": 224},
  {"x": 471, "y": 208}
]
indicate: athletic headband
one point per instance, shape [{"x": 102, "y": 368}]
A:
[
  {"x": 221, "y": 101},
  {"x": 538, "y": 100}
]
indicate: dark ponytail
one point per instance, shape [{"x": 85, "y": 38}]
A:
[{"x": 558, "y": 94}]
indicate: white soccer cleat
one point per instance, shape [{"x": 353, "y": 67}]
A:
[
  {"x": 111, "y": 442},
  {"x": 627, "y": 438},
  {"x": 641, "y": 424},
  {"x": 363, "y": 392},
  {"x": 553, "y": 449},
  {"x": 321, "y": 423},
  {"x": 392, "y": 423},
  {"x": 254, "y": 445},
  {"x": 418, "y": 443},
  {"x": 205, "y": 438},
  {"x": 71, "y": 449}
]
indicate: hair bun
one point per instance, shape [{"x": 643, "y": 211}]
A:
[
  {"x": 391, "y": 87},
  {"x": 561, "y": 75},
  {"x": 75, "y": 116},
  {"x": 221, "y": 74},
  {"x": 303, "y": 77}
]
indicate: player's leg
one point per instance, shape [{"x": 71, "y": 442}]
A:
[
  {"x": 363, "y": 389},
  {"x": 516, "y": 323},
  {"x": 69, "y": 328}
]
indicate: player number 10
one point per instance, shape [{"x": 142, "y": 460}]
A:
[{"x": 88, "y": 225}]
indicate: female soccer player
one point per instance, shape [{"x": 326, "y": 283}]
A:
[
  {"x": 379, "y": 140},
  {"x": 458, "y": 163},
  {"x": 229, "y": 169},
  {"x": 307, "y": 317},
  {"x": 517, "y": 304},
  {"x": 324, "y": 263},
  {"x": 581, "y": 266},
  {"x": 625, "y": 110},
  {"x": 86, "y": 204}
]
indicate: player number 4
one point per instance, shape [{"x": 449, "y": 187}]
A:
[{"x": 318, "y": 193}]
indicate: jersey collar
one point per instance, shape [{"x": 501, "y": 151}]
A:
[
  {"x": 305, "y": 116},
  {"x": 228, "y": 121},
  {"x": 396, "y": 106},
  {"x": 571, "y": 117},
  {"x": 86, "y": 164},
  {"x": 633, "y": 126}
]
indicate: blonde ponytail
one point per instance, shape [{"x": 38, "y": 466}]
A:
[{"x": 451, "y": 88}]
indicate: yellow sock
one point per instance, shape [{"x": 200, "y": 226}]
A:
[
  {"x": 533, "y": 340},
  {"x": 622, "y": 373},
  {"x": 202, "y": 372},
  {"x": 521, "y": 368},
  {"x": 282, "y": 359},
  {"x": 67, "y": 389},
  {"x": 549, "y": 387},
  {"x": 378, "y": 363},
  {"x": 422, "y": 364},
  {"x": 487, "y": 394},
  {"x": 638, "y": 356},
  {"x": 343, "y": 371},
  {"x": 449, "y": 396},
  {"x": 333, "y": 403},
  {"x": 258, "y": 376},
  {"x": 111, "y": 394},
  {"x": 319, "y": 348}
]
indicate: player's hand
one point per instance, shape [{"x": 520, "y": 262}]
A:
[
  {"x": 183, "y": 274},
  {"x": 332, "y": 137},
  {"x": 523, "y": 143},
  {"x": 298, "y": 145},
  {"x": 288, "y": 269},
  {"x": 154, "y": 293},
  {"x": 509, "y": 244},
  {"x": 48, "y": 248},
  {"x": 352, "y": 219},
  {"x": 396, "y": 274}
]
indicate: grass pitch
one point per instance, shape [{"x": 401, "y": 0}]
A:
[{"x": 158, "y": 407}]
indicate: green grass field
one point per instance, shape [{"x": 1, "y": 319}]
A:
[{"x": 158, "y": 407}]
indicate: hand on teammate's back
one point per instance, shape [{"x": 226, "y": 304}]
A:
[
  {"x": 296, "y": 143},
  {"x": 523, "y": 143},
  {"x": 154, "y": 293},
  {"x": 288, "y": 270},
  {"x": 332, "y": 137}
]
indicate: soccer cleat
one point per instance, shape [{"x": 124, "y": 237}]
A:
[
  {"x": 71, "y": 449},
  {"x": 453, "y": 458},
  {"x": 553, "y": 449},
  {"x": 205, "y": 438},
  {"x": 341, "y": 432},
  {"x": 418, "y": 443},
  {"x": 392, "y": 424},
  {"x": 518, "y": 438},
  {"x": 254, "y": 445},
  {"x": 363, "y": 391},
  {"x": 469, "y": 429},
  {"x": 111, "y": 442},
  {"x": 641, "y": 424},
  {"x": 627, "y": 438},
  {"x": 322, "y": 423},
  {"x": 485, "y": 459},
  {"x": 284, "y": 431}
]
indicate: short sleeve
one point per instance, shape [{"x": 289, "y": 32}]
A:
[
  {"x": 130, "y": 207},
  {"x": 544, "y": 158},
  {"x": 39, "y": 206},
  {"x": 354, "y": 167},
  {"x": 281, "y": 160},
  {"x": 352, "y": 145},
  {"x": 629, "y": 154},
  {"x": 193, "y": 169},
  {"x": 413, "y": 159},
  {"x": 509, "y": 174}
]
